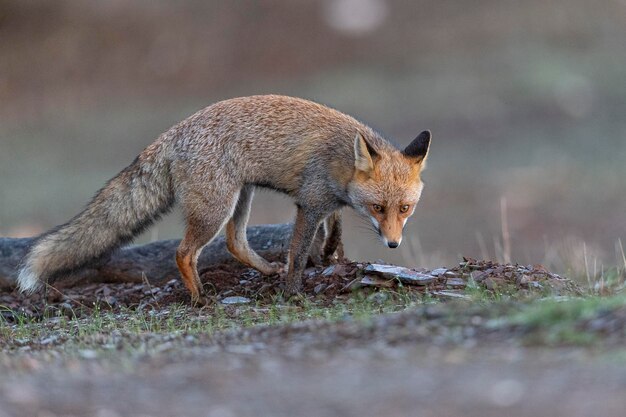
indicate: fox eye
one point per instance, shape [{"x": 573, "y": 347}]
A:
[
  {"x": 377, "y": 208},
  {"x": 404, "y": 208}
]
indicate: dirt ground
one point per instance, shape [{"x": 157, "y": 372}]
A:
[
  {"x": 436, "y": 359},
  {"x": 402, "y": 380}
]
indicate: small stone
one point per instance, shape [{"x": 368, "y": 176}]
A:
[
  {"x": 405, "y": 275},
  {"x": 235, "y": 300},
  {"x": 415, "y": 278},
  {"x": 390, "y": 271},
  {"x": 319, "y": 288},
  {"x": 374, "y": 281},
  {"x": 451, "y": 294},
  {"x": 329, "y": 271},
  {"x": 88, "y": 354},
  {"x": 456, "y": 282}
]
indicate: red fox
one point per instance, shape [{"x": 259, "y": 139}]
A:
[{"x": 211, "y": 163}]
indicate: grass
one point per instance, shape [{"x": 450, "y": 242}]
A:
[
  {"x": 537, "y": 320},
  {"x": 572, "y": 321},
  {"x": 102, "y": 327},
  {"x": 482, "y": 295}
]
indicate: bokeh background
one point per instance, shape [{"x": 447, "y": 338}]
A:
[{"x": 526, "y": 101}]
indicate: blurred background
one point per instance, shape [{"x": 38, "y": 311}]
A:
[{"x": 526, "y": 101}]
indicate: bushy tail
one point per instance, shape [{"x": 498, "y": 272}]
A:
[{"x": 124, "y": 207}]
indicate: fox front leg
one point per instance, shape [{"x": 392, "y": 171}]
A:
[{"x": 304, "y": 229}]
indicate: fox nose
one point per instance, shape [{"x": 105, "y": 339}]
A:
[{"x": 393, "y": 245}]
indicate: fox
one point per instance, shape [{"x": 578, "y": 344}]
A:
[{"x": 211, "y": 164}]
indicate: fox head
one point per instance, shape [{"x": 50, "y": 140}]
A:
[{"x": 386, "y": 184}]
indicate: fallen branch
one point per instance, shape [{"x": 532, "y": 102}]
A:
[{"x": 153, "y": 261}]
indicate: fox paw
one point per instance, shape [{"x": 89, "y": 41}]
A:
[
  {"x": 293, "y": 288},
  {"x": 200, "y": 301},
  {"x": 278, "y": 268}
]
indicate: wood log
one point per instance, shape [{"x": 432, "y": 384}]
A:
[{"x": 152, "y": 261}]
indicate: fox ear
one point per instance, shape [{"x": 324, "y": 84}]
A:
[
  {"x": 363, "y": 154},
  {"x": 418, "y": 149}
]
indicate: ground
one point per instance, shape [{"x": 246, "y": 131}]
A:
[{"x": 479, "y": 339}]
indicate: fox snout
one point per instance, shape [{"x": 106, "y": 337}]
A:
[
  {"x": 389, "y": 227},
  {"x": 390, "y": 238}
]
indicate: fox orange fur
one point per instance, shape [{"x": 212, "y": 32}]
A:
[{"x": 211, "y": 163}]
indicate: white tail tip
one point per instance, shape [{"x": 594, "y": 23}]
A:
[{"x": 27, "y": 281}]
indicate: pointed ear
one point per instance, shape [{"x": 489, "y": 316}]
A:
[
  {"x": 418, "y": 149},
  {"x": 363, "y": 154}
]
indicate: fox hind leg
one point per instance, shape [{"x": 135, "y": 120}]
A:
[
  {"x": 236, "y": 240},
  {"x": 333, "y": 244},
  {"x": 187, "y": 261},
  {"x": 317, "y": 247},
  {"x": 204, "y": 221},
  {"x": 327, "y": 246}
]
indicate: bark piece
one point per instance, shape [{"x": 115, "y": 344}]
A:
[{"x": 404, "y": 275}]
